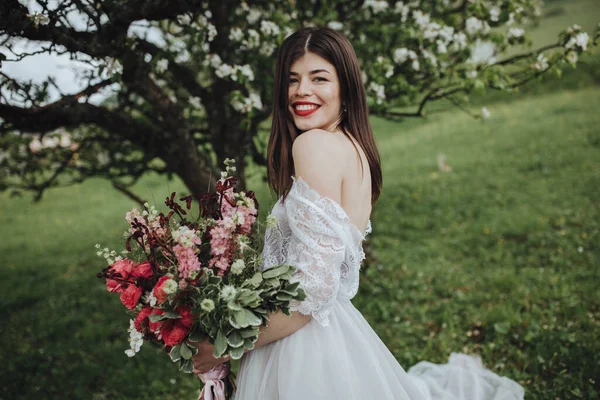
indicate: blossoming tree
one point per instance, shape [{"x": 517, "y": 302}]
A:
[{"x": 186, "y": 83}]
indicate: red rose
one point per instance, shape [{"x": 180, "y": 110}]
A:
[
  {"x": 159, "y": 289},
  {"x": 143, "y": 270},
  {"x": 131, "y": 296},
  {"x": 175, "y": 330},
  {"x": 121, "y": 269},
  {"x": 141, "y": 321}
]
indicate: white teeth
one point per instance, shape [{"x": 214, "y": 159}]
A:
[{"x": 306, "y": 107}]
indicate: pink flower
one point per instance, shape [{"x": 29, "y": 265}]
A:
[
  {"x": 187, "y": 261},
  {"x": 141, "y": 321},
  {"x": 143, "y": 270},
  {"x": 130, "y": 296},
  {"x": 122, "y": 270},
  {"x": 163, "y": 288},
  {"x": 174, "y": 331}
]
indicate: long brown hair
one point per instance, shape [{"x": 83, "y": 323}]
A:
[{"x": 337, "y": 50}]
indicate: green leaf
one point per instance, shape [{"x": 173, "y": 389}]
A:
[
  {"x": 249, "y": 344},
  {"x": 245, "y": 318},
  {"x": 237, "y": 353},
  {"x": 275, "y": 271},
  {"x": 220, "y": 344},
  {"x": 185, "y": 352},
  {"x": 187, "y": 366},
  {"x": 255, "y": 280},
  {"x": 502, "y": 327},
  {"x": 235, "y": 339},
  {"x": 214, "y": 280},
  {"x": 233, "y": 323},
  {"x": 233, "y": 306},
  {"x": 175, "y": 354},
  {"x": 283, "y": 297},
  {"x": 249, "y": 332}
]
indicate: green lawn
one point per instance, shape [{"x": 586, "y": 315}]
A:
[{"x": 500, "y": 257}]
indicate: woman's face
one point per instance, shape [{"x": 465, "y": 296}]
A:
[{"x": 314, "y": 93}]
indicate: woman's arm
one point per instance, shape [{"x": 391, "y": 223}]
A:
[{"x": 280, "y": 326}]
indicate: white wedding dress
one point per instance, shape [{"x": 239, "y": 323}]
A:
[{"x": 337, "y": 355}]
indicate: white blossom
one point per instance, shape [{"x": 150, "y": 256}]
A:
[
  {"x": 162, "y": 65},
  {"x": 35, "y": 145},
  {"x": 184, "y": 236},
  {"x": 236, "y": 34},
  {"x": 224, "y": 71},
  {"x": 195, "y": 102},
  {"x": 136, "y": 339},
  {"x": 459, "y": 41},
  {"x": 541, "y": 63},
  {"x": 580, "y": 40},
  {"x": 403, "y": 54},
  {"x": 441, "y": 47},
  {"x": 494, "y": 14},
  {"x": 482, "y": 52},
  {"x": 267, "y": 48},
  {"x": 573, "y": 28},
  {"x": 515, "y": 32},
  {"x": 473, "y": 25},
  {"x": 212, "y": 32},
  {"x": 485, "y": 113},
  {"x": 429, "y": 56},
  {"x": 246, "y": 70},
  {"x": 572, "y": 57},
  {"x": 335, "y": 25},
  {"x": 253, "y": 15},
  {"x": 421, "y": 18},
  {"x": 376, "y": 5},
  {"x": 472, "y": 74},
  {"x": 253, "y": 40},
  {"x": 415, "y": 65},
  {"x": 379, "y": 91},
  {"x": 228, "y": 292},
  {"x": 401, "y": 8},
  {"x": 269, "y": 28},
  {"x": 38, "y": 18},
  {"x": 389, "y": 72},
  {"x": 238, "y": 267}
]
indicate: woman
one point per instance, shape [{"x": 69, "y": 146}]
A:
[{"x": 324, "y": 163}]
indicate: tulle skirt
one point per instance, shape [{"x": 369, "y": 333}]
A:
[{"x": 347, "y": 360}]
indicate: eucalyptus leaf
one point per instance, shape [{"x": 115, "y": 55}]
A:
[{"x": 220, "y": 344}]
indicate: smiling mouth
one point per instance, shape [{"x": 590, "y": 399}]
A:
[{"x": 304, "y": 110}]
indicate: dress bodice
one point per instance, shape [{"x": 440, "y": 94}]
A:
[{"x": 314, "y": 234}]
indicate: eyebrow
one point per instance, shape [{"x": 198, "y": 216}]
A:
[{"x": 316, "y": 71}]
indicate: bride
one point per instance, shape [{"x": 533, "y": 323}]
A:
[{"x": 324, "y": 165}]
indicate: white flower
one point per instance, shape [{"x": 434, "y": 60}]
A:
[
  {"x": 135, "y": 339},
  {"x": 389, "y": 72},
  {"x": 228, "y": 292},
  {"x": 401, "y": 8},
  {"x": 267, "y": 48},
  {"x": 573, "y": 28},
  {"x": 459, "y": 41},
  {"x": 376, "y": 6},
  {"x": 441, "y": 47},
  {"x": 269, "y": 28},
  {"x": 246, "y": 70},
  {"x": 207, "y": 305},
  {"x": 184, "y": 236},
  {"x": 494, "y": 14},
  {"x": 472, "y": 74},
  {"x": 415, "y": 65},
  {"x": 485, "y": 113},
  {"x": 162, "y": 65},
  {"x": 35, "y": 145},
  {"x": 515, "y": 32},
  {"x": 214, "y": 60},
  {"x": 195, "y": 102},
  {"x": 113, "y": 66},
  {"x": 580, "y": 249},
  {"x": 482, "y": 52},
  {"x": 572, "y": 57},
  {"x": 580, "y": 40},
  {"x": 335, "y": 25},
  {"x": 236, "y": 34},
  {"x": 38, "y": 18},
  {"x": 253, "y": 15},
  {"x": 224, "y": 71},
  {"x": 379, "y": 91},
  {"x": 253, "y": 40},
  {"x": 65, "y": 140},
  {"x": 429, "y": 56},
  {"x": 151, "y": 299},
  {"x": 212, "y": 32},
  {"x": 541, "y": 63},
  {"x": 473, "y": 25},
  {"x": 238, "y": 267}
]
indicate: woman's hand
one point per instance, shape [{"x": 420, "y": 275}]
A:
[{"x": 204, "y": 360}]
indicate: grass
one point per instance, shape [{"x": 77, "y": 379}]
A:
[{"x": 499, "y": 257}]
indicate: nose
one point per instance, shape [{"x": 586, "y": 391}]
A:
[{"x": 303, "y": 88}]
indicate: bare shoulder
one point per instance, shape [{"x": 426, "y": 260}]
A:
[{"x": 320, "y": 161}]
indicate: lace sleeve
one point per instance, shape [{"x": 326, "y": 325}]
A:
[{"x": 316, "y": 248}]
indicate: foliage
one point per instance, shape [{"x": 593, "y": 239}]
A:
[{"x": 191, "y": 81}]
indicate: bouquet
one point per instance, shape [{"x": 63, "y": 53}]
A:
[{"x": 186, "y": 280}]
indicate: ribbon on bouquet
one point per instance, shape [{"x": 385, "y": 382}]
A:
[{"x": 213, "y": 381}]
